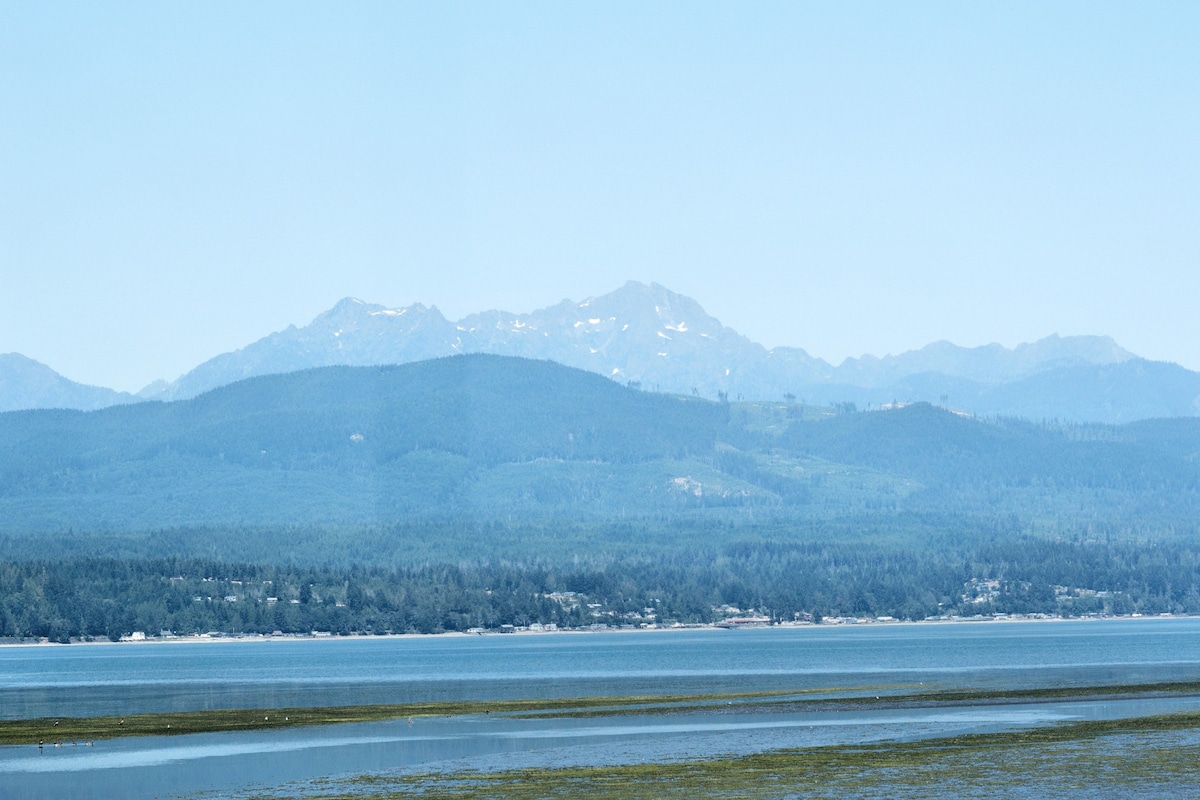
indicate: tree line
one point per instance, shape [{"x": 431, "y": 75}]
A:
[{"x": 107, "y": 598}]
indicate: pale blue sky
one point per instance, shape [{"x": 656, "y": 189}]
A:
[{"x": 178, "y": 180}]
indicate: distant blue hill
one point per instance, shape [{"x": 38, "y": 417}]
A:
[
  {"x": 25, "y": 383},
  {"x": 490, "y": 438}
]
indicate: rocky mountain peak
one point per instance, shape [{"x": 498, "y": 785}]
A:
[{"x": 647, "y": 335}]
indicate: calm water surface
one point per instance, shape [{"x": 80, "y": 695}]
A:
[{"x": 92, "y": 680}]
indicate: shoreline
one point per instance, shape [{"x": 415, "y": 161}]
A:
[{"x": 842, "y": 622}]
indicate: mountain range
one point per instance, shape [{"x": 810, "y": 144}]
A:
[
  {"x": 25, "y": 383},
  {"x": 650, "y": 337}
]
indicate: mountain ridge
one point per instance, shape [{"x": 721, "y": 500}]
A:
[
  {"x": 640, "y": 333},
  {"x": 26, "y": 383},
  {"x": 648, "y": 336}
]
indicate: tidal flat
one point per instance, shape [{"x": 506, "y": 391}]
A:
[
  {"x": 50, "y": 730},
  {"x": 74, "y": 729},
  {"x": 1144, "y": 757},
  {"x": 1147, "y": 756}
]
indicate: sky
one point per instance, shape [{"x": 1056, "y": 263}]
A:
[{"x": 180, "y": 179}]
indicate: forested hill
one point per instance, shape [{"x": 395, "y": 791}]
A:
[
  {"x": 485, "y": 409},
  {"x": 490, "y": 438},
  {"x": 941, "y": 448},
  {"x": 478, "y": 491}
]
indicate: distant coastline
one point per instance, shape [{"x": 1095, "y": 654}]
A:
[{"x": 317, "y": 636}]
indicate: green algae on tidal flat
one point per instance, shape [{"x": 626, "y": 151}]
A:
[{"x": 1144, "y": 755}]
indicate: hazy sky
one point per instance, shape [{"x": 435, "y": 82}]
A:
[{"x": 177, "y": 180}]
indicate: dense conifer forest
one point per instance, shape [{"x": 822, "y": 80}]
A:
[{"x": 107, "y": 597}]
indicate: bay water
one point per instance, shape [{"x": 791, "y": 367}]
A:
[{"x": 88, "y": 680}]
